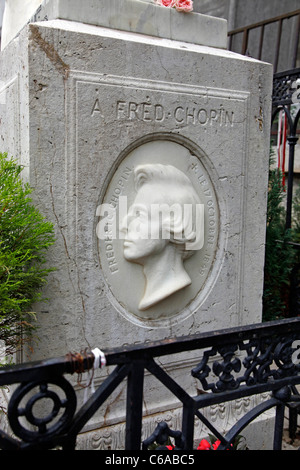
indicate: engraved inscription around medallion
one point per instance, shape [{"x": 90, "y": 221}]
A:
[{"x": 132, "y": 265}]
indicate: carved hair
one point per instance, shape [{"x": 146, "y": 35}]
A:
[{"x": 176, "y": 189}]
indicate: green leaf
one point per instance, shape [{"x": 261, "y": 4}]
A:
[{"x": 25, "y": 237}]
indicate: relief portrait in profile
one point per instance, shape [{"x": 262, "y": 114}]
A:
[{"x": 163, "y": 227}]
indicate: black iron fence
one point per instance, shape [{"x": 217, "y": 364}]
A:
[
  {"x": 231, "y": 364},
  {"x": 269, "y": 39},
  {"x": 286, "y": 94},
  {"x": 285, "y": 136}
]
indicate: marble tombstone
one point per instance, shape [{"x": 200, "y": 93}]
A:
[{"x": 133, "y": 119}]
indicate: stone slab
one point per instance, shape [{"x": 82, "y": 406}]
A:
[
  {"x": 138, "y": 16},
  {"x": 82, "y": 106}
]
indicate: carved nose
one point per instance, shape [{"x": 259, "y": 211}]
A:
[{"x": 124, "y": 224}]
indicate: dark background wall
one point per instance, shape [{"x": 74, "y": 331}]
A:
[{"x": 241, "y": 13}]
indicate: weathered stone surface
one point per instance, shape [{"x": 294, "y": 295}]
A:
[
  {"x": 137, "y": 16},
  {"x": 81, "y": 106},
  {"x": 91, "y": 97}
]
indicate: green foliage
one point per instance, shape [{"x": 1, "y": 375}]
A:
[
  {"x": 296, "y": 216},
  {"x": 280, "y": 254},
  {"x": 25, "y": 237}
]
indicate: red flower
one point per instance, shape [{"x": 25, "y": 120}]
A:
[
  {"x": 184, "y": 5},
  {"x": 216, "y": 444},
  {"x": 170, "y": 447},
  {"x": 165, "y": 3},
  {"x": 180, "y": 5},
  {"x": 204, "y": 445}
]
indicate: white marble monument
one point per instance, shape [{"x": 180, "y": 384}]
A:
[{"x": 116, "y": 106}]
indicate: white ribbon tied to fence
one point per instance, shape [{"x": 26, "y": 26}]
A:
[{"x": 99, "y": 361}]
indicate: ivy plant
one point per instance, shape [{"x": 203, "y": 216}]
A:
[{"x": 25, "y": 237}]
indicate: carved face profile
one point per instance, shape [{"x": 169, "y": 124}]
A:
[{"x": 164, "y": 226}]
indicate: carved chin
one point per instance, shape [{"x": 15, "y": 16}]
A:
[{"x": 130, "y": 254}]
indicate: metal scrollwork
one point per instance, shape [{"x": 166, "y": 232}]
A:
[
  {"x": 161, "y": 435},
  {"x": 255, "y": 367},
  {"x": 23, "y": 408},
  {"x": 248, "y": 363},
  {"x": 257, "y": 361},
  {"x": 284, "y": 87},
  {"x": 224, "y": 368},
  {"x": 283, "y": 357}
]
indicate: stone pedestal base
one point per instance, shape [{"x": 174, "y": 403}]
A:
[{"x": 257, "y": 436}]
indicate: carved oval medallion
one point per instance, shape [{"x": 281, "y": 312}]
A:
[{"x": 158, "y": 232}]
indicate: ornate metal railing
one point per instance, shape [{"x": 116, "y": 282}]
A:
[
  {"x": 286, "y": 91},
  {"x": 234, "y": 363}
]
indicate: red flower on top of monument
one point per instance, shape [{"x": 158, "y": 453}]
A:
[
  {"x": 180, "y": 5},
  {"x": 184, "y": 5},
  {"x": 165, "y": 3}
]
